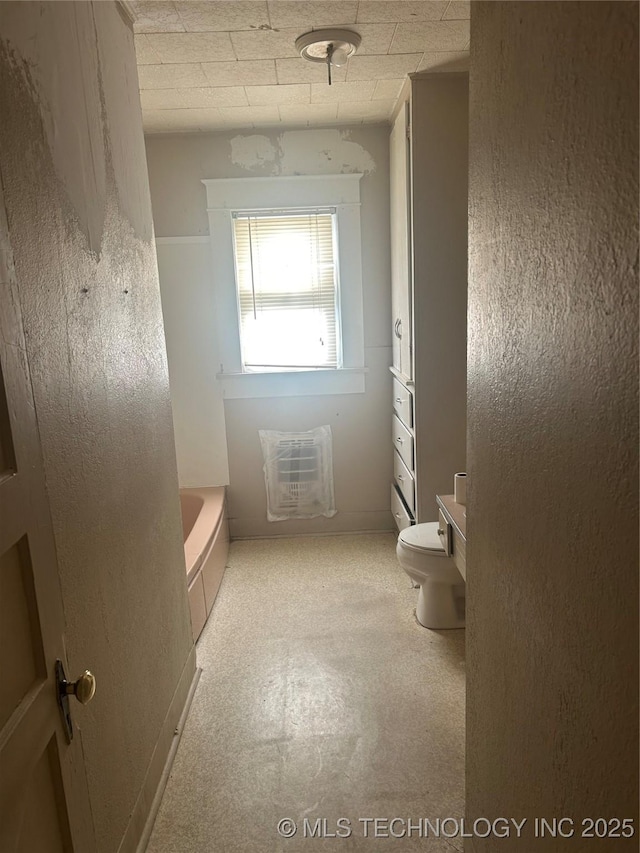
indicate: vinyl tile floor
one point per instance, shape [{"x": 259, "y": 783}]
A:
[{"x": 322, "y": 702}]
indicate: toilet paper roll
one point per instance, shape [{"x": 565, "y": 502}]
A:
[{"x": 460, "y": 489}]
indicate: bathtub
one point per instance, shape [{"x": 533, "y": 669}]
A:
[{"x": 206, "y": 545}]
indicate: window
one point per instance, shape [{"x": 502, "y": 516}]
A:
[
  {"x": 286, "y": 277},
  {"x": 287, "y": 283}
]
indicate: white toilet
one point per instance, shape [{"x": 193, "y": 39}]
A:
[{"x": 442, "y": 591}]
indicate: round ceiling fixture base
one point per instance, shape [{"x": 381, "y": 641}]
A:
[{"x": 314, "y": 46}]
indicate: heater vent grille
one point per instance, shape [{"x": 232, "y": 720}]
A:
[{"x": 298, "y": 473}]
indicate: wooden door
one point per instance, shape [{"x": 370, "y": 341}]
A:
[
  {"x": 44, "y": 805},
  {"x": 401, "y": 243}
]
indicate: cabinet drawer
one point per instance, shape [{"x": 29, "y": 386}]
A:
[
  {"x": 403, "y": 442},
  {"x": 445, "y": 533},
  {"x": 403, "y": 403},
  {"x": 401, "y": 514},
  {"x": 404, "y": 479}
]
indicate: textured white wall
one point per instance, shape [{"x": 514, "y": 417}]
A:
[
  {"x": 552, "y": 559},
  {"x": 188, "y": 308},
  {"x": 73, "y": 169},
  {"x": 360, "y": 423}
]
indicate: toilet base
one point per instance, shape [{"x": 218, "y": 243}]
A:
[{"x": 440, "y": 605}]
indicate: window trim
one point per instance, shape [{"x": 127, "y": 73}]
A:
[{"x": 342, "y": 192}]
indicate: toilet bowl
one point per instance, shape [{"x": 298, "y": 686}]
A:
[{"x": 442, "y": 591}]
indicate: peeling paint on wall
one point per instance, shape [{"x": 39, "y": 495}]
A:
[
  {"x": 302, "y": 152},
  {"x": 322, "y": 152},
  {"x": 252, "y": 152},
  {"x": 81, "y": 33}
]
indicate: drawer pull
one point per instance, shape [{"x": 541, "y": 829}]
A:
[
  {"x": 397, "y": 514},
  {"x": 400, "y": 477},
  {"x": 440, "y": 532},
  {"x": 400, "y": 440},
  {"x": 398, "y": 399}
]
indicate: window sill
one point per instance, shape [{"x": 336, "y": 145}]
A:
[{"x": 297, "y": 383}]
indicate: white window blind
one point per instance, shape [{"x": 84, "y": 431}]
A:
[{"x": 287, "y": 289}]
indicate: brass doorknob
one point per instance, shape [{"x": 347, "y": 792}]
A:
[{"x": 83, "y": 689}]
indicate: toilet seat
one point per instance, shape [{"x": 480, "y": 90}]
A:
[{"x": 422, "y": 538}]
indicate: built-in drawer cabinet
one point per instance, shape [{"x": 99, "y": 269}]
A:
[
  {"x": 401, "y": 514},
  {"x": 403, "y": 442},
  {"x": 403, "y": 402},
  {"x": 403, "y": 491},
  {"x": 404, "y": 479},
  {"x": 428, "y": 281}
]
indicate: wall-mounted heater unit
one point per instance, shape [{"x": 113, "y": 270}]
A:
[{"x": 298, "y": 473}]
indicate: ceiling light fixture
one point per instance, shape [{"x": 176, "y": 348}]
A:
[{"x": 330, "y": 46}]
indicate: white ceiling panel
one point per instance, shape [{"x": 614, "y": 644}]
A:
[
  {"x": 430, "y": 36},
  {"x": 145, "y": 54},
  {"x": 180, "y": 99},
  {"x": 365, "y": 110},
  {"x": 374, "y": 11},
  {"x": 158, "y": 17},
  {"x": 387, "y": 89},
  {"x": 457, "y": 10},
  {"x": 360, "y": 91},
  {"x": 171, "y": 76},
  {"x": 265, "y": 44},
  {"x": 445, "y": 61},
  {"x": 255, "y": 72},
  {"x": 223, "y": 15},
  {"x": 309, "y": 15},
  {"x": 376, "y": 38},
  {"x": 256, "y": 116},
  {"x": 382, "y": 67},
  {"x": 191, "y": 47},
  {"x": 233, "y": 63},
  {"x": 299, "y": 71},
  {"x": 259, "y": 96}
]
